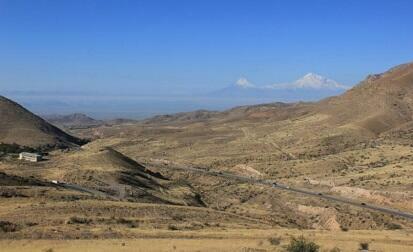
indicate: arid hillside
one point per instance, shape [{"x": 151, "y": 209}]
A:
[
  {"x": 379, "y": 103},
  {"x": 20, "y": 126}
]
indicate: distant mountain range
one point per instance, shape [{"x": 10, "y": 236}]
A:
[
  {"x": 307, "y": 88},
  {"x": 79, "y": 120},
  {"x": 76, "y": 119}
]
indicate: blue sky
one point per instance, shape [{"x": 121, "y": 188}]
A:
[{"x": 178, "y": 46}]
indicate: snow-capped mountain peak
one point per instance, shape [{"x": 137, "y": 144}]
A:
[
  {"x": 315, "y": 81},
  {"x": 244, "y": 83},
  {"x": 310, "y": 87}
]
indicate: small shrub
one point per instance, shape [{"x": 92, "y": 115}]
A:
[
  {"x": 335, "y": 249},
  {"x": 344, "y": 229},
  {"x": 79, "y": 220},
  {"x": 275, "y": 240},
  {"x": 123, "y": 221},
  {"x": 31, "y": 224},
  {"x": 172, "y": 227},
  {"x": 302, "y": 245},
  {"x": 8, "y": 227},
  {"x": 364, "y": 246},
  {"x": 394, "y": 226},
  {"x": 129, "y": 223}
]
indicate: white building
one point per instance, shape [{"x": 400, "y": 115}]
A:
[{"x": 32, "y": 157}]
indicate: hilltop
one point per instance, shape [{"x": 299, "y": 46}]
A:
[
  {"x": 20, "y": 126},
  {"x": 379, "y": 103},
  {"x": 109, "y": 171}
]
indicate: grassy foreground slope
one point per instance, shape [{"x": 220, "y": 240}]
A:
[{"x": 234, "y": 240}]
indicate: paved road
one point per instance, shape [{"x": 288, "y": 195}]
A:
[{"x": 273, "y": 184}]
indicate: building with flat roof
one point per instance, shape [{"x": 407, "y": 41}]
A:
[{"x": 32, "y": 157}]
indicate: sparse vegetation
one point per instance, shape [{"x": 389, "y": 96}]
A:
[
  {"x": 129, "y": 223},
  {"x": 79, "y": 220},
  {"x": 275, "y": 241},
  {"x": 172, "y": 227},
  {"x": 344, "y": 229},
  {"x": 364, "y": 246},
  {"x": 15, "y": 148},
  {"x": 300, "y": 244},
  {"x": 8, "y": 227},
  {"x": 394, "y": 226}
]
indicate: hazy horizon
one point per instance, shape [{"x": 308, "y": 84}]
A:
[{"x": 128, "y": 107}]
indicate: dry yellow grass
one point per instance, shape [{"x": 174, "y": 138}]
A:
[{"x": 232, "y": 240}]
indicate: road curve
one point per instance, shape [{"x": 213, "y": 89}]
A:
[{"x": 275, "y": 185}]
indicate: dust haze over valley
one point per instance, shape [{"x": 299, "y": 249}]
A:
[{"x": 209, "y": 126}]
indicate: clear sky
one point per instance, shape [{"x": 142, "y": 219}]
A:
[{"x": 174, "y": 46}]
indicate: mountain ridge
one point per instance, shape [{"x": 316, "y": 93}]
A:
[{"x": 75, "y": 119}]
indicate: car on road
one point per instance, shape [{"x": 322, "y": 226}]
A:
[
  {"x": 57, "y": 182},
  {"x": 363, "y": 204}
]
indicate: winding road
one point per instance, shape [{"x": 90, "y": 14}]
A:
[
  {"x": 276, "y": 185},
  {"x": 251, "y": 180}
]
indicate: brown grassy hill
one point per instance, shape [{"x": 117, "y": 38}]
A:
[
  {"x": 107, "y": 170},
  {"x": 379, "y": 103},
  {"x": 20, "y": 126}
]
